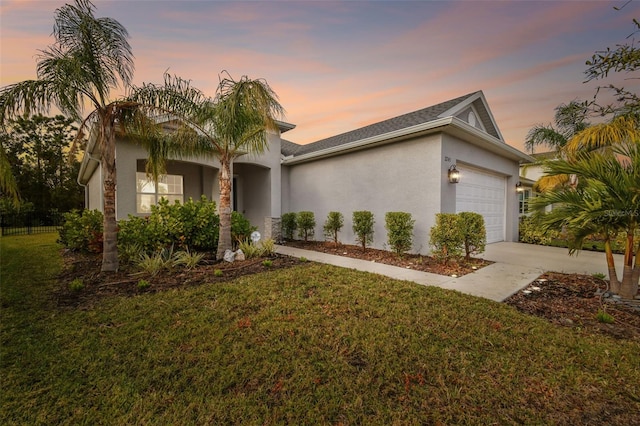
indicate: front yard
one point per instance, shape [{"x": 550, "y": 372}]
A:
[{"x": 306, "y": 344}]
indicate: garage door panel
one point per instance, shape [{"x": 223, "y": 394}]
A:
[{"x": 484, "y": 193}]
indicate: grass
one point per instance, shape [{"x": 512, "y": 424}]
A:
[{"x": 313, "y": 344}]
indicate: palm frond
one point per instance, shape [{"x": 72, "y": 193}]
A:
[
  {"x": 620, "y": 130},
  {"x": 544, "y": 135}
]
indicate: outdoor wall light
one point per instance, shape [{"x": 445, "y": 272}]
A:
[
  {"x": 454, "y": 174},
  {"x": 519, "y": 187}
]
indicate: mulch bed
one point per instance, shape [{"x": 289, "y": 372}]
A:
[
  {"x": 411, "y": 261},
  {"x": 99, "y": 285},
  {"x": 573, "y": 300}
]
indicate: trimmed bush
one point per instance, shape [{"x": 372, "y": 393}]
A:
[
  {"x": 289, "y": 225},
  {"x": 306, "y": 223},
  {"x": 193, "y": 225},
  {"x": 333, "y": 225},
  {"x": 399, "y": 226},
  {"x": 241, "y": 228},
  {"x": 474, "y": 233},
  {"x": 363, "y": 227},
  {"x": 446, "y": 237},
  {"x": 531, "y": 232},
  {"x": 82, "y": 231}
]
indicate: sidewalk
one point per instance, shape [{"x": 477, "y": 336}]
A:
[
  {"x": 495, "y": 282},
  {"x": 516, "y": 266}
]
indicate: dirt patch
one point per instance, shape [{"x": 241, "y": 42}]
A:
[
  {"x": 573, "y": 300},
  {"x": 410, "y": 261}
]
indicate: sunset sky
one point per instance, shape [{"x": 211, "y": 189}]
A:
[{"x": 337, "y": 66}]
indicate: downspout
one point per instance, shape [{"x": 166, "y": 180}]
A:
[{"x": 86, "y": 193}]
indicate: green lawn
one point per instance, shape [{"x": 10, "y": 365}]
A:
[{"x": 313, "y": 344}]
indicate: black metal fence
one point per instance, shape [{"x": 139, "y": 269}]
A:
[{"x": 34, "y": 222}]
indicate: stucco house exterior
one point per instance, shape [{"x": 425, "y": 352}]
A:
[{"x": 399, "y": 164}]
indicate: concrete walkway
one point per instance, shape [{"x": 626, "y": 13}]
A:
[{"x": 516, "y": 266}]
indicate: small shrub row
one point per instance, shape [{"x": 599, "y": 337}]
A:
[{"x": 399, "y": 227}]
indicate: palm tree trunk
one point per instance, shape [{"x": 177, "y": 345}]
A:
[
  {"x": 110, "y": 229},
  {"x": 628, "y": 288},
  {"x": 635, "y": 278},
  {"x": 224, "y": 239},
  {"x": 614, "y": 284}
]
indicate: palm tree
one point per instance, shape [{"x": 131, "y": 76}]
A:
[
  {"x": 570, "y": 119},
  {"x": 232, "y": 124},
  {"x": 606, "y": 201},
  {"x": 90, "y": 57}
]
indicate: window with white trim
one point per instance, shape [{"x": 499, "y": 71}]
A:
[
  {"x": 148, "y": 194},
  {"x": 523, "y": 199}
]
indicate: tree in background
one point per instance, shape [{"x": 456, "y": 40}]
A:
[
  {"x": 569, "y": 119},
  {"x": 624, "y": 58},
  {"x": 8, "y": 184},
  {"x": 38, "y": 150}
]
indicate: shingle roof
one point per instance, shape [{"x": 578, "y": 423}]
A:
[
  {"x": 396, "y": 123},
  {"x": 288, "y": 148}
]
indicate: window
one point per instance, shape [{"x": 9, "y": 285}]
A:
[
  {"x": 147, "y": 195},
  {"x": 523, "y": 198}
]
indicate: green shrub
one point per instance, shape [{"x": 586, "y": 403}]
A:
[
  {"x": 399, "y": 226},
  {"x": 446, "y": 237},
  {"x": 241, "y": 228},
  {"x": 155, "y": 263},
  {"x": 289, "y": 225},
  {"x": 142, "y": 284},
  {"x": 333, "y": 225},
  {"x": 363, "y": 227},
  {"x": 76, "y": 285},
  {"x": 306, "y": 223},
  {"x": 474, "y": 233},
  {"x": 82, "y": 231},
  {"x": 249, "y": 249},
  {"x": 218, "y": 273},
  {"x": 604, "y": 317},
  {"x": 267, "y": 263},
  {"x": 128, "y": 253},
  {"x": 192, "y": 225},
  {"x": 187, "y": 259},
  {"x": 531, "y": 232},
  {"x": 268, "y": 247}
]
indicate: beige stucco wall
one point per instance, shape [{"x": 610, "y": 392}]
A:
[{"x": 396, "y": 177}]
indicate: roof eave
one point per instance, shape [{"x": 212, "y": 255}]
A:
[{"x": 450, "y": 125}]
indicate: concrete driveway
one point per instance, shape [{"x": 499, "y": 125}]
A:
[
  {"x": 548, "y": 259},
  {"x": 516, "y": 266}
]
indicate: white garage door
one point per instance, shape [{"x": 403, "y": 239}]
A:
[{"x": 483, "y": 192}]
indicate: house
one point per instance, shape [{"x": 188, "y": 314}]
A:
[
  {"x": 399, "y": 164},
  {"x": 530, "y": 172}
]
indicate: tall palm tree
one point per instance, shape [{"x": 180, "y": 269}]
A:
[
  {"x": 234, "y": 123},
  {"x": 606, "y": 201},
  {"x": 89, "y": 58}
]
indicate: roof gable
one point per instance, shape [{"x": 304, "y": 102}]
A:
[{"x": 473, "y": 101}]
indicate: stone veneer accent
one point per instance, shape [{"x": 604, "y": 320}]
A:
[{"x": 273, "y": 229}]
